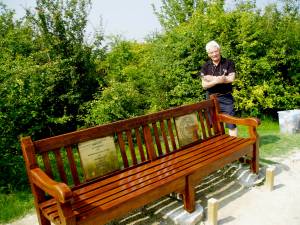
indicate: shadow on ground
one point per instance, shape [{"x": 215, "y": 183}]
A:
[
  {"x": 268, "y": 139},
  {"x": 226, "y": 185}
]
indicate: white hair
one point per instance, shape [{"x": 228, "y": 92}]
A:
[{"x": 212, "y": 44}]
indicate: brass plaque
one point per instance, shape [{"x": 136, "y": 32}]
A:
[
  {"x": 187, "y": 129},
  {"x": 98, "y": 157}
]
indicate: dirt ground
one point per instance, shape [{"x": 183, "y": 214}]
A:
[
  {"x": 240, "y": 203},
  {"x": 262, "y": 207}
]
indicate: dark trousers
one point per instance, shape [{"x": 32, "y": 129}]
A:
[{"x": 226, "y": 103}]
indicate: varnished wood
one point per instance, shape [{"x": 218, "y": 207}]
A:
[
  {"x": 66, "y": 213},
  {"x": 142, "y": 178},
  {"x": 149, "y": 143},
  {"x": 131, "y": 147},
  {"x": 189, "y": 194},
  {"x": 47, "y": 164},
  {"x": 28, "y": 151},
  {"x": 255, "y": 157},
  {"x": 60, "y": 166},
  {"x": 115, "y": 127},
  {"x": 217, "y": 110},
  {"x": 59, "y": 191},
  {"x": 72, "y": 165},
  {"x": 100, "y": 216},
  {"x": 171, "y": 134},
  {"x": 202, "y": 125},
  {"x": 159, "y": 164},
  {"x": 157, "y": 139},
  {"x": 165, "y": 138},
  {"x": 169, "y": 175},
  {"x": 140, "y": 145},
  {"x": 215, "y": 127},
  {"x": 209, "y": 122},
  {"x": 133, "y": 174},
  {"x": 123, "y": 150}
]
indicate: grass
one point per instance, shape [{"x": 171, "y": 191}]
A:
[
  {"x": 272, "y": 143},
  {"x": 15, "y": 205}
]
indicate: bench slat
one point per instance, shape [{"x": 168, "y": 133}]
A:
[
  {"x": 103, "y": 205},
  {"x": 131, "y": 147},
  {"x": 202, "y": 125},
  {"x": 140, "y": 169},
  {"x": 149, "y": 143},
  {"x": 171, "y": 134},
  {"x": 47, "y": 164},
  {"x": 157, "y": 139},
  {"x": 60, "y": 166},
  {"x": 208, "y": 122},
  {"x": 116, "y": 127},
  {"x": 139, "y": 143},
  {"x": 72, "y": 164},
  {"x": 163, "y": 132},
  {"x": 214, "y": 120},
  {"x": 122, "y": 149},
  {"x": 50, "y": 210},
  {"x": 107, "y": 197},
  {"x": 153, "y": 173}
]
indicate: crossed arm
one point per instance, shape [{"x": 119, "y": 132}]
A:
[{"x": 209, "y": 81}]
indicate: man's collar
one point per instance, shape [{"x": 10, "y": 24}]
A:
[{"x": 221, "y": 60}]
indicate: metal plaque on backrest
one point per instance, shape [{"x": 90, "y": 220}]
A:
[
  {"x": 98, "y": 157},
  {"x": 187, "y": 129}
]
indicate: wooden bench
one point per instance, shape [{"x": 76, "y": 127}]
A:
[{"x": 160, "y": 153}]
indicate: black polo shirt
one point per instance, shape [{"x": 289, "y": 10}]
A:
[{"x": 225, "y": 67}]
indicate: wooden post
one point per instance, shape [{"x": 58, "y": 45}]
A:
[
  {"x": 212, "y": 211},
  {"x": 270, "y": 172}
]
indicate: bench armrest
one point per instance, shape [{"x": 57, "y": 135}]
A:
[
  {"x": 60, "y": 191},
  {"x": 252, "y": 123}
]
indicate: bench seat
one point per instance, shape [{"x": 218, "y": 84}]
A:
[{"x": 141, "y": 185}]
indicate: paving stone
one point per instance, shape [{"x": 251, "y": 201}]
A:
[{"x": 181, "y": 217}]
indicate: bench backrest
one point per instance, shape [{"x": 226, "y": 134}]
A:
[{"x": 138, "y": 141}]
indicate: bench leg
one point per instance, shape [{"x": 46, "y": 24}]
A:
[
  {"x": 39, "y": 197},
  {"x": 189, "y": 195},
  {"x": 41, "y": 218},
  {"x": 66, "y": 214},
  {"x": 255, "y": 158}
]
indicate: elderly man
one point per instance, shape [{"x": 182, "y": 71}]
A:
[{"x": 217, "y": 76}]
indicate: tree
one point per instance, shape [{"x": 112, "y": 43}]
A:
[
  {"x": 263, "y": 44},
  {"x": 175, "y": 12},
  {"x": 60, "y": 29},
  {"x": 47, "y": 73},
  {"x": 21, "y": 93}
]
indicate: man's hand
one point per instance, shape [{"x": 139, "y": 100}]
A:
[
  {"x": 209, "y": 81},
  {"x": 229, "y": 78},
  {"x": 221, "y": 79}
]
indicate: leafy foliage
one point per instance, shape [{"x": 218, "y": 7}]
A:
[
  {"x": 174, "y": 12},
  {"x": 263, "y": 44},
  {"x": 52, "y": 81},
  {"x": 61, "y": 25},
  {"x": 47, "y": 73}
]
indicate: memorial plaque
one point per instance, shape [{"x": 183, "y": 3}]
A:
[
  {"x": 98, "y": 157},
  {"x": 187, "y": 129}
]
